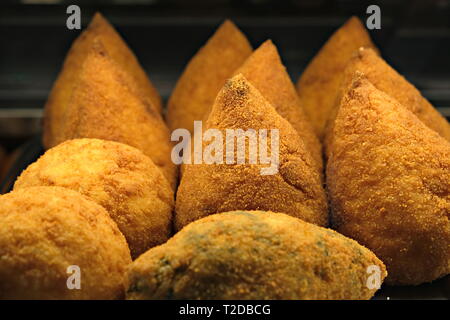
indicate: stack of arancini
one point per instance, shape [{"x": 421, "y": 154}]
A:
[{"x": 101, "y": 200}]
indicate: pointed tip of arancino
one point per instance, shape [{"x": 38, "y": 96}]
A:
[
  {"x": 98, "y": 17},
  {"x": 228, "y": 27},
  {"x": 267, "y": 45},
  {"x": 227, "y": 24},
  {"x": 237, "y": 83},
  {"x": 355, "y": 21},
  {"x": 99, "y": 20}
]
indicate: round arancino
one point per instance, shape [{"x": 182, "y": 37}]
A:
[
  {"x": 47, "y": 235},
  {"x": 118, "y": 177}
]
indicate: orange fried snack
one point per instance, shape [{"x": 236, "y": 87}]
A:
[
  {"x": 205, "y": 75},
  {"x": 320, "y": 80},
  {"x": 118, "y": 177},
  {"x": 48, "y": 235},
  {"x": 388, "y": 177},
  {"x": 264, "y": 70},
  {"x": 104, "y": 105},
  {"x": 58, "y": 99},
  {"x": 254, "y": 255},
  {"x": 294, "y": 187},
  {"x": 386, "y": 79}
]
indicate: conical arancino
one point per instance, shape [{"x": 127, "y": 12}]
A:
[
  {"x": 205, "y": 75},
  {"x": 388, "y": 177},
  {"x": 104, "y": 105},
  {"x": 295, "y": 188},
  {"x": 99, "y": 28},
  {"x": 386, "y": 79},
  {"x": 320, "y": 80},
  {"x": 265, "y": 70}
]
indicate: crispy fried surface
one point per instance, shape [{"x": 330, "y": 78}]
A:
[
  {"x": 43, "y": 231},
  {"x": 212, "y": 188},
  {"x": 386, "y": 79},
  {"x": 205, "y": 75},
  {"x": 103, "y": 105},
  {"x": 266, "y": 72},
  {"x": 116, "y": 176},
  {"x": 99, "y": 29},
  {"x": 253, "y": 255},
  {"x": 389, "y": 182},
  {"x": 320, "y": 81},
  {"x": 125, "y": 58}
]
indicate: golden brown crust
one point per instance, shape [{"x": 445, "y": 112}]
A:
[
  {"x": 104, "y": 105},
  {"x": 211, "y": 188},
  {"x": 205, "y": 75},
  {"x": 266, "y": 72},
  {"x": 43, "y": 231},
  {"x": 386, "y": 79},
  {"x": 98, "y": 30},
  {"x": 388, "y": 177},
  {"x": 320, "y": 81},
  {"x": 118, "y": 177},
  {"x": 253, "y": 255},
  {"x": 126, "y": 59}
]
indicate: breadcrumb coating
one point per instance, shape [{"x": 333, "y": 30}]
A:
[
  {"x": 43, "y": 231},
  {"x": 104, "y": 105},
  {"x": 264, "y": 70},
  {"x": 98, "y": 30},
  {"x": 205, "y": 75},
  {"x": 254, "y": 255},
  {"x": 320, "y": 81},
  {"x": 116, "y": 176},
  {"x": 295, "y": 189},
  {"x": 386, "y": 79},
  {"x": 388, "y": 178}
]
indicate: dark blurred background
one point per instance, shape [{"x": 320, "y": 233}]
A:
[{"x": 164, "y": 34}]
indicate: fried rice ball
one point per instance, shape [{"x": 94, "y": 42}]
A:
[
  {"x": 116, "y": 176},
  {"x": 294, "y": 186},
  {"x": 254, "y": 255},
  {"x": 320, "y": 80},
  {"x": 388, "y": 80},
  {"x": 98, "y": 29},
  {"x": 105, "y": 105},
  {"x": 388, "y": 177},
  {"x": 265, "y": 70},
  {"x": 205, "y": 74},
  {"x": 46, "y": 231}
]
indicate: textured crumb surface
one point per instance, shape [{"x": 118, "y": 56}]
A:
[
  {"x": 264, "y": 70},
  {"x": 320, "y": 81},
  {"x": 43, "y": 231},
  {"x": 205, "y": 75},
  {"x": 296, "y": 188},
  {"x": 116, "y": 176},
  {"x": 388, "y": 177},
  {"x": 253, "y": 255},
  {"x": 386, "y": 79},
  {"x": 104, "y": 105},
  {"x": 99, "y": 30}
]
